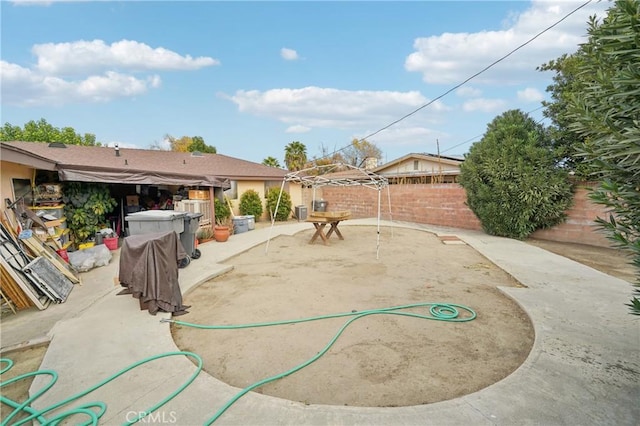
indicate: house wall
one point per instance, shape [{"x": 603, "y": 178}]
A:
[
  {"x": 10, "y": 171},
  {"x": 445, "y": 205},
  {"x": 408, "y": 166},
  {"x": 260, "y": 187}
]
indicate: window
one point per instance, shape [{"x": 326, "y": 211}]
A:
[
  {"x": 22, "y": 188},
  {"x": 416, "y": 165},
  {"x": 232, "y": 192}
]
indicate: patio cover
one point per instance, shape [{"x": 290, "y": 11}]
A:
[{"x": 89, "y": 174}]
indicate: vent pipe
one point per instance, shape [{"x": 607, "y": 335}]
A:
[{"x": 117, "y": 150}]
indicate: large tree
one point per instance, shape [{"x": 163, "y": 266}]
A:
[
  {"x": 606, "y": 114},
  {"x": 360, "y": 150},
  {"x": 566, "y": 81},
  {"x": 295, "y": 156},
  {"x": 42, "y": 131},
  {"x": 512, "y": 179},
  {"x": 189, "y": 144},
  {"x": 197, "y": 144}
]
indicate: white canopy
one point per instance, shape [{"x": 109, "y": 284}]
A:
[{"x": 336, "y": 175}]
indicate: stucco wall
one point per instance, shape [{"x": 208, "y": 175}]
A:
[
  {"x": 9, "y": 171},
  {"x": 259, "y": 186},
  {"x": 444, "y": 205}
]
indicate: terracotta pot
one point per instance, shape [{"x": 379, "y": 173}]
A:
[{"x": 221, "y": 233}]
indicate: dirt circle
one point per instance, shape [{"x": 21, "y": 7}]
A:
[{"x": 379, "y": 360}]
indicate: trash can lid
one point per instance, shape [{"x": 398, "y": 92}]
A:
[{"x": 155, "y": 215}]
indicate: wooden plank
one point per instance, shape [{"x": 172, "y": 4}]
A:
[
  {"x": 332, "y": 215},
  {"x": 322, "y": 219},
  {"x": 8, "y": 302},
  {"x": 33, "y": 297},
  {"x": 13, "y": 291}
]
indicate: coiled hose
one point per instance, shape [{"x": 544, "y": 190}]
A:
[{"x": 437, "y": 311}]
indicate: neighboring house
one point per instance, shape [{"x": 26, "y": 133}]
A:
[
  {"x": 421, "y": 168},
  {"x": 128, "y": 170}
]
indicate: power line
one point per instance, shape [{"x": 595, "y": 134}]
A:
[
  {"x": 470, "y": 78},
  {"x": 477, "y": 136}
]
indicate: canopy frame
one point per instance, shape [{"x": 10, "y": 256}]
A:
[{"x": 338, "y": 174}]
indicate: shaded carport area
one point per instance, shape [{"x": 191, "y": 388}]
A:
[{"x": 123, "y": 170}]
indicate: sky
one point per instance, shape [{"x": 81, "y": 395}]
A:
[{"x": 252, "y": 77}]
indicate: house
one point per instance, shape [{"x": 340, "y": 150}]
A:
[
  {"x": 421, "y": 168},
  {"x": 133, "y": 171}
]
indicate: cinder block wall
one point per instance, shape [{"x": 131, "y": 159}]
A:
[
  {"x": 579, "y": 226},
  {"x": 445, "y": 205}
]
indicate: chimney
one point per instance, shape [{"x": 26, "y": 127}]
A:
[
  {"x": 117, "y": 150},
  {"x": 370, "y": 163}
]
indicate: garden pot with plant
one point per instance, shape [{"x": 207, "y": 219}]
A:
[
  {"x": 222, "y": 228},
  {"x": 204, "y": 234}
]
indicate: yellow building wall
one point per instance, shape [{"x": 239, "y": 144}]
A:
[
  {"x": 9, "y": 171},
  {"x": 294, "y": 190}
]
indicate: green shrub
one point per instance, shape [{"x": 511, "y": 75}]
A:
[
  {"x": 513, "y": 182},
  {"x": 251, "y": 204},
  {"x": 222, "y": 210},
  {"x": 86, "y": 206},
  {"x": 284, "y": 208}
]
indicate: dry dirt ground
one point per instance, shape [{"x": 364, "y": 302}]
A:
[
  {"x": 375, "y": 349},
  {"x": 380, "y": 360}
]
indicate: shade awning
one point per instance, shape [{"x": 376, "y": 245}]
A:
[{"x": 140, "y": 177}]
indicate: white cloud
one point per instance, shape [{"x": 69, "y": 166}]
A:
[
  {"x": 453, "y": 57},
  {"x": 530, "y": 94},
  {"x": 82, "y": 57},
  {"x": 468, "y": 92},
  {"x": 484, "y": 105},
  {"x": 289, "y": 54},
  {"x": 332, "y": 108},
  {"x": 297, "y": 129},
  {"x": 24, "y": 87},
  {"x": 90, "y": 72}
]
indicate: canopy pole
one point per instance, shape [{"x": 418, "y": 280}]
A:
[
  {"x": 378, "y": 230},
  {"x": 389, "y": 201},
  {"x": 273, "y": 218}
]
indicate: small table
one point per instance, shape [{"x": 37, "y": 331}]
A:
[{"x": 320, "y": 223}]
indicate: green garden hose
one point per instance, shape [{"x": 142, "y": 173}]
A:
[
  {"x": 438, "y": 311},
  {"x": 95, "y": 410},
  {"x": 84, "y": 409}
]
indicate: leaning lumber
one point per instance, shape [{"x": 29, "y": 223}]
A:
[
  {"x": 12, "y": 290},
  {"x": 41, "y": 302},
  {"x": 38, "y": 248}
]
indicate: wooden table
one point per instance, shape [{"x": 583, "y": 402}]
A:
[{"x": 321, "y": 222}]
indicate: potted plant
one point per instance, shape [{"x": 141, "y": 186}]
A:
[
  {"x": 204, "y": 234},
  {"x": 222, "y": 228}
]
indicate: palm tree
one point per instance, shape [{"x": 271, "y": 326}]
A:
[
  {"x": 295, "y": 156},
  {"x": 271, "y": 162}
]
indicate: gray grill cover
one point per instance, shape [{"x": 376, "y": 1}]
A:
[{"x": 149, "y": 269}]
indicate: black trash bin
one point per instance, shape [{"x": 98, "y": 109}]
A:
[{"x": 188, "y": 236}]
